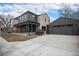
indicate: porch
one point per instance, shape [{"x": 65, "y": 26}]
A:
[{"x": 25, "y": 27}]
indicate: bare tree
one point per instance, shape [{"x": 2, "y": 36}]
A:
[
  {"x": 77, "y": 12},
  {"x": 65, "y": 11},
  {"x": 5, "y": 21},
  {"x": 0, "y": 25}
]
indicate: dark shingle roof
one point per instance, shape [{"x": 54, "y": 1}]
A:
[
  {"x": 25, "y": 13},
  {"x": 63, "y": 20}
]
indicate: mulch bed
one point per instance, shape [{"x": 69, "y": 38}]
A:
[{"x": 13, "y": 37}]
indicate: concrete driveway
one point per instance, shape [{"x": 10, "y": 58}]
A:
[{"x": 46, "y": 45}]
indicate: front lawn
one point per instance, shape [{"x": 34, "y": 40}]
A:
[{"x": 13, "y": 37}]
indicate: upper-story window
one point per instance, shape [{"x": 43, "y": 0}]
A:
[
  {"x": 48, "y": 20},
  {"x": 21, "y": 17},
  {"x": 33, "y": 16},
  {"x": 24, "y": 16},
  {"x": 45, "y": 19},
  {"x": 18, "y": 19}
]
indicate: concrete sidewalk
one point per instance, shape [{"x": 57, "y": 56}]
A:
[{"x": 47, "y": 45}]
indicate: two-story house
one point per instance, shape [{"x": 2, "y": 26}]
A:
[{"x": 30, "y": 22}]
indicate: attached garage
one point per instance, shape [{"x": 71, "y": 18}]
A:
[
  {"x": 64, "y": 26},
  {"x": 67, "y": 29}
]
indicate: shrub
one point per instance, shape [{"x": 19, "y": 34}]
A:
[{"x": 39, "y": 32}]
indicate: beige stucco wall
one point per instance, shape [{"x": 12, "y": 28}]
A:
[{"x": 41, "y": 20}]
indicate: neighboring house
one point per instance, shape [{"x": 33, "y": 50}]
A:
[
  {"x": 64, "y": 26},
  {"x": 30, "y": 22}
]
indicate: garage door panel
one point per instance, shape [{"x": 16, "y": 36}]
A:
[{"x": 62, "y": 30}]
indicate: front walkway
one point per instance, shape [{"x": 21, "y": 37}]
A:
[{"x": 52, "y": 45}]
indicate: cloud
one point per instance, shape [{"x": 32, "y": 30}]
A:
[
  {"x": 38, "y": 8},
  {"x": 21, "y": 8}
]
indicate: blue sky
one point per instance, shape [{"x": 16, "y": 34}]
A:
[{"x": 17, "y": 9}]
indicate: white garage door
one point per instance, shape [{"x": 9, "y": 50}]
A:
[{"x": 62, "y": 30}]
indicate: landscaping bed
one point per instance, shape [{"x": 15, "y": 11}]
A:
[{"x": 13, "y": 37}]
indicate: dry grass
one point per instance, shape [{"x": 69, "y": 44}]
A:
[{"x": 13, "y": 37}]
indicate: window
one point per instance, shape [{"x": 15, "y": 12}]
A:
[
  {"x": 43, "y": 28},
  {"x": 62, "y": 25},
  {"x": 48, "y": 20},
  {"x": 33, "y": 16},
  {"x": 25, "y": 16},
  {"x": 19, "y": 18},
  {"x": 45, "y": 19},
  {"x": 22, "y": 17}
]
